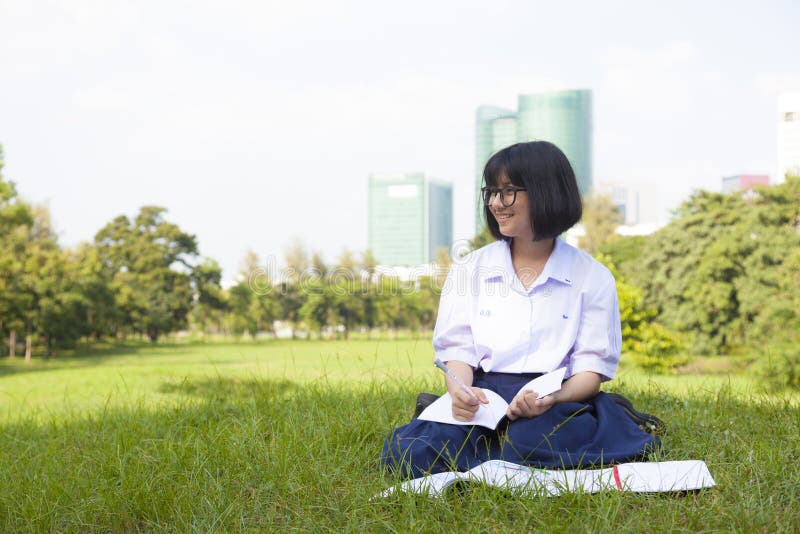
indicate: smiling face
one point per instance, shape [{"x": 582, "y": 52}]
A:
[{"x": 514, "y": 221}]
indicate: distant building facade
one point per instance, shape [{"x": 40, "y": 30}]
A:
[
  {"x": 743, "y": 182},
  {"x": 788, "y": 135},
  {"x": 624, "y": 197},
  {"x": 561, "y": 117},
  {"x": 410, "y": 216}
]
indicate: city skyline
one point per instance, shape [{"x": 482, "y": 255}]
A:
[{"x": 217, "y": 111}]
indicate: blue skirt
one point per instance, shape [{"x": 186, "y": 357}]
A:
[{"x": 569, "y": 435}]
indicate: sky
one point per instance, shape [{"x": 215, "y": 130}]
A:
[{"x": 257, "y": 123}]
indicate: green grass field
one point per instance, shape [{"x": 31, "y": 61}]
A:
[{"x": 285, "y": 435}]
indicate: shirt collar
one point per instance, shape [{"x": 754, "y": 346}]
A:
[{"x": 499, "y": 266}]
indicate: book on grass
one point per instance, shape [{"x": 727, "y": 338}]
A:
[
  {"x": 637, "y": 477},
  {"x": 490, "y": 415}
]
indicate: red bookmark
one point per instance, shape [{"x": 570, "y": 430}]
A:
[{"x": 616, "y": 477}]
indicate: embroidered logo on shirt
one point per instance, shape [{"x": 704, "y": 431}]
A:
[{"x": 485, "y": 313}]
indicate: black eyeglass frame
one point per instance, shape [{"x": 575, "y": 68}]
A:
[{"x": 492, "y": 191}]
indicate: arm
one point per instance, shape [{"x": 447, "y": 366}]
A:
[
  {"x": 453, "y": 344},
  {"x": 579, "y": 387}
]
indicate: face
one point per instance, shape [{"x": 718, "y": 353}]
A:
[{"x": 515, "y": 220}]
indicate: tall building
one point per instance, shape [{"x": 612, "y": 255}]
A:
[
  {"x": 624, "y": 197},
  {"x": 788, "y": 135},
  {"x": 742, "y": 182},
  {"x": 495, "y": 128},
  {"x": 410, "y": 216},
  {"x": 561, "y": 117}
]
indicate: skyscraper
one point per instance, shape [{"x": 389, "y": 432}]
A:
[
  {"x": 788, "y": 135},
  {"x": 495, "y": 128},
  {"x": 410, "y": 216},
  {"x": 743, "y": 182},
  {"x": 561, "y": 117}
]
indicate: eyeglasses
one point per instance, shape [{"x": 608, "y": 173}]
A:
[{"x": 508, "y": 194}]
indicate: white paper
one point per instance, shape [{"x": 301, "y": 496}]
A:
[
  {"x": 547, "y": 383},
  {"x": 636, "y": 477},
  {"x": 489, "y": 415}
]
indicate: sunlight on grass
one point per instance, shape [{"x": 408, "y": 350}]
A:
[{"x": 286, "y": 435}]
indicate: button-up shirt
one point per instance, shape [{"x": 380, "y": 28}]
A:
[{"x": 568, "y": 317}]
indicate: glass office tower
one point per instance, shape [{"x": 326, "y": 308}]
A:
[
  {"x": 495, "y": 128},
  {"x": 561, "y": 117},
  {"x": 410, "y": 216}
]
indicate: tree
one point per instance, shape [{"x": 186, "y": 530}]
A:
[
  {"x": 318, "y": 267},
  {"x": 149, "y": 262},
  {"x": 16, "y": 218},
  {"x": 600, "y": 221},
  {"x": 210, "y": 300},
  {"x": 296, "y": 261},
  {"x": 482, "y": 239},
  {"x": 717, "y": 268}
]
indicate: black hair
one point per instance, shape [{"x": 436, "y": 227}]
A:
[{"x": 544, "y": 171}]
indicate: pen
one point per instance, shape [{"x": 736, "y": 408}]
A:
[{"x": 438, "y": 363}]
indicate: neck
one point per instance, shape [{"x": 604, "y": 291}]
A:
[{"x": 534, "y": 251}]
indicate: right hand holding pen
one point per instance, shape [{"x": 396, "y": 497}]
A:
[{"x": 464, "y": 405}]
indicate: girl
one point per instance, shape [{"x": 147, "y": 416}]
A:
[{"x": 526, "y": 304}]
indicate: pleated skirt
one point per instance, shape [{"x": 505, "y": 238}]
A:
[{"x": 569, "y": 435}]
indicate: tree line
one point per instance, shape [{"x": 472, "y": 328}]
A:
[
  {"x": 143, "y": 277},
  {"x": 722, "y": 278}
]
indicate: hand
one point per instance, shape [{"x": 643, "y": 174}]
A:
[
  {"x": 525, "y": 404},
  {"x": 465, "y": 406}
]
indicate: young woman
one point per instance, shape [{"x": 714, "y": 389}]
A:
[{"x": 526, "y": 304}]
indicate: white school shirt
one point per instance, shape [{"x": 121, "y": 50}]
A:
[{"x": 569, "y": 317}]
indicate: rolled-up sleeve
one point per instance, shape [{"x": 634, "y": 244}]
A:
[
  {"x": 452, "y": 335},
  {"x": 599, "y": 339}
]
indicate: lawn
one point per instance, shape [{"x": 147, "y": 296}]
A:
[{"x": 284, "y": 435}]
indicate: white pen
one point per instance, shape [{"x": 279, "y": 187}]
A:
[{"x": 438, "y": 363}]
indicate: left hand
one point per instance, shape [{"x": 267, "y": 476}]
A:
[{"x": 525, "y": 404}]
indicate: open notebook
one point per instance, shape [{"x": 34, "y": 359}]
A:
[
  {"x": 639, "y": 477},
  {"x": 490, "y": 415}
]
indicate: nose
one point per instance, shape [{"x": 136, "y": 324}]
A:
[{"x": 494, "y": 201}]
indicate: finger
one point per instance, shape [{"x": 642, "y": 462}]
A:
[
  {"x": 465, "y": 398},
  {"x": 481, "y": 395},
  {"x": 464, "y": 407},
  {"x": 463, "y": 415},
  {"x": 528, "y": 400}
]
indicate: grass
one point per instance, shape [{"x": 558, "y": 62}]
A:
[{"x": 285, "y": 436}]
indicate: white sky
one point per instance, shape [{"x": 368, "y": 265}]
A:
[{"x": 258, "y": 122}]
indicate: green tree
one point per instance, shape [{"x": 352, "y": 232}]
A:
[
  {"x": 625, "y": 252},
  {"x": 482, "y": 239},
  {"x": 600, "y": 221},
  {"x": 16, "y": 218},
  {"x": 149, "y": 262},
  {"x": 210, "y": 300},
  {"x": 716, "y": 271},
  {"x": 317, "y": 307}
]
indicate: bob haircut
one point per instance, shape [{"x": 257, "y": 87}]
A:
[{"x": 544, "y": 171}]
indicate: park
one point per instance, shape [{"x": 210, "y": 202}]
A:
[
  {"x": 285, "y": 435},
  {"x": 236, "y": 236}
]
